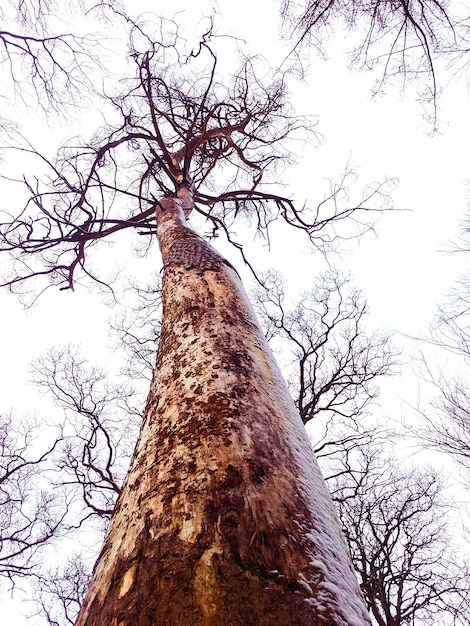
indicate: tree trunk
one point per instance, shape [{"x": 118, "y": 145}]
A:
[{"x": 224, "y": 518}]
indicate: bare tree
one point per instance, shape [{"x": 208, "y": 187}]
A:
[
  {"x": 445, "y": 418},
  {"x": 209, "y": 456},
  {"x": 406, "y": 40},
  {"x": 98, "y": 432},
  {"x": 362, "y": 489},
  {"x": 243, "y": 127},
  {"x": 223, "y": 509},
  {"x": 136, "y": 328},
  {"x": 99, "y": 421},
  {"x": 396, "y": 523},
  {"x": 31, "y": 515},
  {"x": 331, "y": 361},
  {"x": 60, "y": 592},
  {"x": 54, "y": 66}
]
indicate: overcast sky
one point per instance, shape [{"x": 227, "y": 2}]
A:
[{"x": 403, "y": 271}]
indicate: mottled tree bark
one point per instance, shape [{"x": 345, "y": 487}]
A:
[{"x": 224, "y": 518}]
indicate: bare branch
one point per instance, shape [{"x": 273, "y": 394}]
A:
[
  {"x": 97, "y": 434},
  {"x": 405, "y": 40},
  {"x": 30, "y": 515},
  {"x": 189, "y": 129},
  {"x": 333, "y": 360},
  {"x": 395, "y": 522}
]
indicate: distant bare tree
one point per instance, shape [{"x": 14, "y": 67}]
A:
[
  {"x": 396, "y": 524},
  {"x": 99, "y": 430},
  {"x": 42, "y": 65},
  {"x": 446, "y": 418},
  {"x": 136, "y": 328},
  {"x": 31, "y": 515},
  {"x": 405, "y": 39},
  {"x": 54, "y": 66},
  {"x": 331, "y": 361},
  {"x": 60, "y": 592}
]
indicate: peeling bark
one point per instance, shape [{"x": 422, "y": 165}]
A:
[{"x": 224, "y": 518}]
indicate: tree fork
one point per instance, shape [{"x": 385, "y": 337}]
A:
[{"x": 224, "y": 518}]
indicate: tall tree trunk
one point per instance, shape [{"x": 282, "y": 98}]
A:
[{"x": 224, "y": 518}]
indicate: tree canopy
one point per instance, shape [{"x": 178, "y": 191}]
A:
[{"x": 177, "y": 121}]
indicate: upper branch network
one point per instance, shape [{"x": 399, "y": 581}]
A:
[{"x": 180, "y": 121}]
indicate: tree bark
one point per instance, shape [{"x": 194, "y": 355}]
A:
[{"x": 224, "y": 518}]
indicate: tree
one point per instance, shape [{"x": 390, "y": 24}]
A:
[
  {"x": 95, "y": 219},
  {"x": 98, "y": 431},
  {"x": 136, "y": 328},
  {"x": 395, "y": 519},
  {"x": 221, "y": 536},
  {"x": 406, "y": 40},
  {"x": 331, "y": 362},
  {"x": 60, "y": 591},
  {"x": 446, "y": 419},
  {"x": 364, "y": 483},
  {"x": 30, "y": 516},
  {"x": 100, "y": 425},
  {"x": 223, "y": 510},
  {"x": 396, "y": 524}
]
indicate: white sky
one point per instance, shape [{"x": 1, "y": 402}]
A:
[{"x": 401, "y": 271}]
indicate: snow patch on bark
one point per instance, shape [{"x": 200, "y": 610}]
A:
[
  {"x": 329, "y": 554},
  {"x": 333, "y": 587}
]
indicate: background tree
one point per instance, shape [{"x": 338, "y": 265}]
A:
[
  {"x": 405, "y": 41},
  {"x": 59, "y": 591},
  {"x": 136, "y": 326},
  {"x": 43, "y": 66},
  {"x": 446, "y": 419},
  {"x": 99, "y": 429},
  {"x": 395, "y": 520},
  {"x": 30, "y": 515},
  {"x": 397, "y": 527},
  {"x": 331, "y": 361}
]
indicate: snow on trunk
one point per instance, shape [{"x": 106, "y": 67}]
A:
[{"x": 224, "y": 518}]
